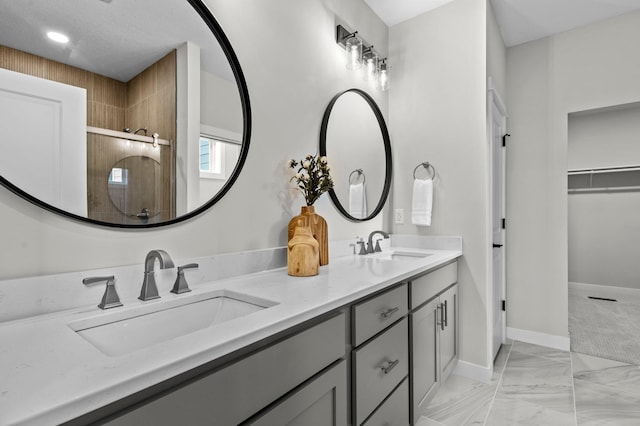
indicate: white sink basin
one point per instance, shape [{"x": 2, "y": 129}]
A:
[
  {"x": 117, "y": 333},
  {"x": 399, "y": 255}
]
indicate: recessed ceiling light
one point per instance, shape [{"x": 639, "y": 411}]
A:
[{"x": 58, "y": 37}]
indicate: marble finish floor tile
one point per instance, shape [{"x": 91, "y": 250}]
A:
[
  {"x": 541, "y": 351},
  {"x": 618, "y": 375},
  {"x": 461, "y": 401},
  {"x": 511, "y": 410},
  {"x": 533, "y": 385},
  {"x": 595, "y": 402},
  {"x": 537, "y": 380}
]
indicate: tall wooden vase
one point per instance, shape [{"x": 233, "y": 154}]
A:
[{"x": 309, "y": 217}]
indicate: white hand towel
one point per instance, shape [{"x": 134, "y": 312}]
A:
[
  {"x": 422, "y": 202},
  {"x": 357, "y": 201}
]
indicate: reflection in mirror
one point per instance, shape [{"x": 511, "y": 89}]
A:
[
  {"x": 135, "y": 188},
  {"x": 136, "y": 80},
  {"x": 355, "y": 139}
]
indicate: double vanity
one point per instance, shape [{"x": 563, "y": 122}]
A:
[{"x": 365, "y": 342}]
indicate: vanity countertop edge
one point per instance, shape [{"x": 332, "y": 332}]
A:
[{"x": 51, "y": 375}]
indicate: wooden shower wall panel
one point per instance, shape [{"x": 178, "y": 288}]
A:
[
  {"x": 151, "y": 98},
  {"x": 106, "y": 97},
  {"x": 151, "y": 103}
]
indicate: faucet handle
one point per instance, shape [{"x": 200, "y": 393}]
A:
[
  {"x": 181, "y": 286},
  {"x": 378, "y": 249},
  {"x": 110, "y": 297},
  {"x": 363, "y": 250}
]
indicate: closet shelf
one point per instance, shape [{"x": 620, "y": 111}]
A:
[{"x": 617, "y": 169}]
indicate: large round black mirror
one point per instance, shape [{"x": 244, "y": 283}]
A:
[
  {"x": 355, "y": 139},
  {"x": 85, "y": 85}
]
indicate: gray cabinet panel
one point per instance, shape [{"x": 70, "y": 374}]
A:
[
  {"x": 233, "y": 394},
  {"x": 376, "y": 314},
  {"x": 394, "y": 411},
  {"x": 322, "y": 402},
  {"x": 379, "y": 366},
  {"x": 430, "y": 285},
  {"x": 448, "y": 336},
  {"x": 424, "y": 358}
]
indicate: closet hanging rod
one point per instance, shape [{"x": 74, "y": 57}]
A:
[{"x": 617, "y": 169}]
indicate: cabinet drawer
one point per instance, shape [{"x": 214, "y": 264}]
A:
[
  {"x": 374, "y": 315},
  {"x": 234, "y": 393},
  {"x": 394, "y": 411},
  {"x": 378, "y": 367},
  {"x": 428, "y": 286}
]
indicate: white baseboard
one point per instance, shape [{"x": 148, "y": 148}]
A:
[
  {"x": 598, "y": 290},
  {"x": 549, "y": 340},
  {"x": 473, "y": 371}
]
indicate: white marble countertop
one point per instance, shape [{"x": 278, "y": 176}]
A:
[{"x": 49, "y": 374}]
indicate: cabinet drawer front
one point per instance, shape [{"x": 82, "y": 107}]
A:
[
  {"x": 376, "y": 314},
  {"x": 379, "y": 366},
  {"x": 394, "y": 411},
  {"x": 428, "y": 286},
  {"x": 234, "y": 393}
]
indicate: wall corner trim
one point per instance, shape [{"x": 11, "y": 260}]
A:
[
  {"x": 473, "y": 371},
  {"x": 548, "y": 340}
]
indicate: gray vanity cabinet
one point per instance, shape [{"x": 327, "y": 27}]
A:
[
  {"x": 300, "y": 379},
  {"x": 380, "y": 359},
  {"x": 434, "y": 333}
]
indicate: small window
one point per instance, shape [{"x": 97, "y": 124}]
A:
[
  {"x": 212, "y": 158},
  {"x": 118, "y": 176}
]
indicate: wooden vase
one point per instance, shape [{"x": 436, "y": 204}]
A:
[
  {"x": 317, "y": 224},
  {"x": 303, "y": 258}
]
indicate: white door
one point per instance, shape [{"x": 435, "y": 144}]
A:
[
  {"x": 498, "y": 132},
  {"x": 43, "y": 129}
]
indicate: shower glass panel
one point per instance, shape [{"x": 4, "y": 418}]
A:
[{"x": 129, "y": 182}]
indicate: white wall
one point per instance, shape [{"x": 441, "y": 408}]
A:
[
  {"x": 589, "y": 67},
  {"x": 604, "y": 230},
  {"x": 220, "y": 106},
  {"x": 437, "y": 113},
  {"x": 293, "y": 67}
]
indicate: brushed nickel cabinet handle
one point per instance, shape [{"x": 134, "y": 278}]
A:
[
  {"x": 442, "y": 316},
  {"x": 446, "y": 314},
  {"x": 389, "y": 365},
  {"x": 386, "y": 314}
]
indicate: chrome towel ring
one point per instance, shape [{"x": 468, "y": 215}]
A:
[
  {"x": 427, "y": 166},
  {"x": 360, "y": 173}
]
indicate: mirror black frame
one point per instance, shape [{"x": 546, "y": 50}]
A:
[
  {"x": 225, "y": 45},
  {"x": 387, "y": 151}
]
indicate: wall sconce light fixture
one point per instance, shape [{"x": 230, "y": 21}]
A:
[
  {"x": 352, "y": 45},
  {"x": 358, "y": 54},
  {"x": 370, "y": 61},
  {"x": 383, "y": 75}
]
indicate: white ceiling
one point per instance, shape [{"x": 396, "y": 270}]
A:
[
  {"x": 114, "y": 38},
  {"x": 520, "y": 21}
]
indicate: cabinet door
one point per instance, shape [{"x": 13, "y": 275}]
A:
[
  {"x": 424, "y": 360},
  {"x": 322, "y": 402},
  {"x": 448, "y": 333}
]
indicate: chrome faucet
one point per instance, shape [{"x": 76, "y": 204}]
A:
[
  {"x": 370, "y": 248},
  {"x": 149, "y": 289}
]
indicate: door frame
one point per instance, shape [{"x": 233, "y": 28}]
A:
[{"x": 495, "y": 105}]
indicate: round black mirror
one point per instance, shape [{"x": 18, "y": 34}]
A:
[
  {"x": 153, "y": 79},
  {"x": 355, "y": 139}
]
